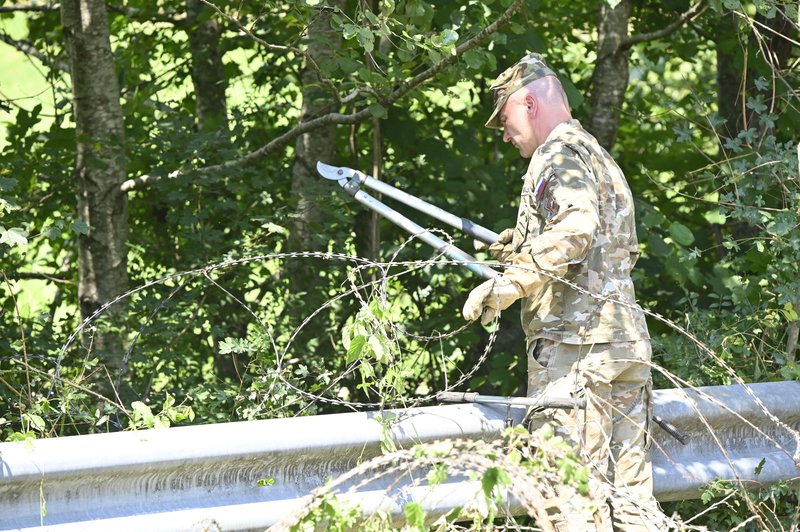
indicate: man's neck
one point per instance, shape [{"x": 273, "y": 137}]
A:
[{"x": 549, "y": 123}]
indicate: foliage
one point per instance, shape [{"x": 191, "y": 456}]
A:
[
  {"x": 212, "y": 337},
  {"x": 540, "y": 469},
  {"x": 728, "y": 506}
]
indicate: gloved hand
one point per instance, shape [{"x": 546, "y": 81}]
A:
[
  {"x": 489, "y": 298},
  {"x": 501, "y": 249}
]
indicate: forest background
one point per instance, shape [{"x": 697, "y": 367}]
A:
[{"x": 160, "y": 157}]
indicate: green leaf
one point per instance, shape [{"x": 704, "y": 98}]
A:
[
  {"x": 264, "y": 482},
  {"x": 16, "y": 236},
  {"x": 453, "y": 515},
  {"x": 349, "y": 31},
  {"x": 574, "y": 96},
  {"x": 387, "y": 7},
  {"x": 236, "y": 345},
  {"x": 448, "y": 37},
  {"x": 415, "y": 514},
  {"x": 34, "y": 421},
  {"x": 434, "y": 56},
  {"x": 790, "y": 372},
  {"x": 380, "y": 349},
  {"x": 760, "y": 466},
  {"x": 80, "y": 227},
  {"x": 7, "y": 183},
  {"x": 7, "y": 205},
  {"x": 356, "y": 347},
  {"x": 377, "y": 110},
  {"x": 653, "y": 219},
  {"x": 473, "y": 58},
  {"x": 657, "y": 246},
  {"x": 348, "y": 65},
  {"x": 142, "y": 415},
  {"x": 789, "y": 312},
  {"x": 437, "y": 474},
  {"x": 366, "y": 39},
  {"x": 492, "y": 478},
  {"x": 681, "y": 234},
  {"x": 53, "y": 231},
  {"x": 371, "y": 17}
]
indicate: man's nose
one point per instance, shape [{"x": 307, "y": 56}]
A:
[{"x": 506, "y": 136}]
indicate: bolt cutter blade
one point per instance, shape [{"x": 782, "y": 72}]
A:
[{"x": 335, "y": 173}]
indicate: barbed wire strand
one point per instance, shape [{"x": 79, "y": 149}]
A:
[{"x": 380, "y": 285}]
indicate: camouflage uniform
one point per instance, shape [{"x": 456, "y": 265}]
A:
[{"x": 576, "y": 220}]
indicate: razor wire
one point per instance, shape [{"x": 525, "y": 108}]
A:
[
  {"x": 391, "y": 270},
  {"x": 362, "y": 263},
  {"x": 380, "y": 286}
]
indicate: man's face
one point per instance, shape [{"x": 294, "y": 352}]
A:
[{"x": 517, "y": 125}]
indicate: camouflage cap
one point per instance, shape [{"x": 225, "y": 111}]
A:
[{"x": 529, "y": 68}]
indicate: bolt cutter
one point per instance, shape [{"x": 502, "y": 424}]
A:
[{"x": 352, "y": 180}]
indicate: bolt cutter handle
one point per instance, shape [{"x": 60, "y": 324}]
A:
[{"x": 351, "y": 180}]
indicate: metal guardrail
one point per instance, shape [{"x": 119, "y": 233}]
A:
[{"x": 206, "y": 477}]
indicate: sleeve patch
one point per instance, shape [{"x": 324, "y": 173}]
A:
[
  {"x": 544, "y": 196},
  {"x": 550, "y": 205},
  {"x": 541, "y": 186}
]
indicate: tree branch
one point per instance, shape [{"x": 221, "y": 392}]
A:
[
  {"x": 14, "y": 9},
  {"x": 352, "y": 118},
  {"x": 31, "y": 50},
  {"x": 38, "y": 276},
  {"x": 139, "y": 182},
  {"x": 142, "y": 16},
  {"x": 689, "y": 15}
]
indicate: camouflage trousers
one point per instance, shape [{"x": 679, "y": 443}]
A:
[{"x": 613, "y": 432}]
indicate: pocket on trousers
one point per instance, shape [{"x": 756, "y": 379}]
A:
[
  {"x": 537, "y": 374},
  {"x": 648, "y": 407}
]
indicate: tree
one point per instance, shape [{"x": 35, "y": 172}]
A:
[
  {"x": 319, "y": 98},
  {"x": 100, "y": 167},
  {"x": 208, "y": 72}
]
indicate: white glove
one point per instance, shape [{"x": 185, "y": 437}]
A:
[{"x": 489, "y": 298}]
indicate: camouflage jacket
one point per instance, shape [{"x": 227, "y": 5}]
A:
[{"x": 576, "y": 220}]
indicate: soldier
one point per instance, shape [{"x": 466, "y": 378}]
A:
[{"x": 575, "y": 221}]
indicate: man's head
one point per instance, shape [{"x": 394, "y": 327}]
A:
[
  {"x": 528, "y": 69},
  {"x": 529, "y": 103}
]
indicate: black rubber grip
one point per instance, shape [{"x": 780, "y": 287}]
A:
[{"x": 672, "y": 430}]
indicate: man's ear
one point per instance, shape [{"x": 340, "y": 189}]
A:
[{"x": 532, "y": 104}]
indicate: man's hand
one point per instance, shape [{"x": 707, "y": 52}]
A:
[
  {"x": 488, "y": 299},
  {"x": 501, "y": 249}
]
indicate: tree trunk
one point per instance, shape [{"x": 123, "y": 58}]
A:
[
  {"x": 100, "y": 167},
  {"x": 610, "y": 76},
  {"x": 319, "y": 145},
  {"x": 729, "y": 75},
  {"x": 208, "y": 72},
  {"x": 367, "y": 222}
]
